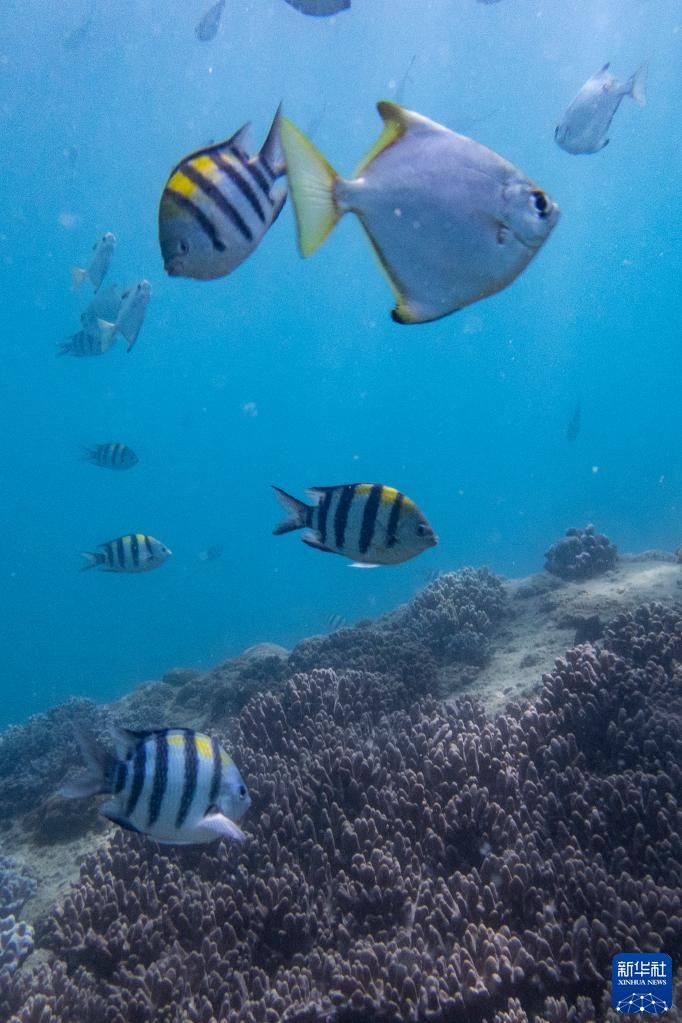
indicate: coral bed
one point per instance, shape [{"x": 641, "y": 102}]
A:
[
  {"x": 581, "y": 554},
  {"x": 407, "y": 860}
]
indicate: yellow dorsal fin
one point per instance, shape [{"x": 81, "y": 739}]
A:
[{"x": 395, "y": 125}]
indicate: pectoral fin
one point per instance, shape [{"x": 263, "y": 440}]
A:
[{"x": 222, "y": 826}]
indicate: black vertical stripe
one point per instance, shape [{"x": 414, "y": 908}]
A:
[
  {"x": 322, "y": 513},
  {"x": 216, "y": 779},
  {"x": 109, "y": 552},
  {"x": 369, "y": 517},
  {"x": 139, "y": 764},
  {"x": 117, "y": 454},
  {"x": 160, "y": 778},
  {"x": 393, "y": 520},
  {"x": 260, "y": 179},
  {"x": 135, "y": 549},
  {"x": 119, "y": 777},
  {"x": 213, "y": 193},
  {"x": 189, "y": 786},
  {"x": 148, "y": 545},
  {"x": 199, "y": 216},
  {"x": 241, "y": 183},
  {"x": 341, "y": 516},
  {"x": 120, "y": 553},
  {"x": 265, "y": 164}
]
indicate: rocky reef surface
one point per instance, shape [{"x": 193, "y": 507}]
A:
[{"x": 413, "y": 854}]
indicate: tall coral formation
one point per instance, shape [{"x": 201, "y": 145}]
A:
[{"x": 407, "y": 860}]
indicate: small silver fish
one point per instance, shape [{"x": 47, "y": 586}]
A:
[
  {"x": 368, "y": 522},
  {"x": 105, "y": 306},
  {"x": 102, "y": 251},
  {"x": 319, "y": 8},
  {"x": 135, "y": 552},
  {"x": 111, "y": 456},
  {"x": 208, "y": 26},
  {"x": 175, "y": 785},
  {"x": 130, "y": 316},
  {"x": 574, "y": 423},
  {"x": 217, "y": 205},
  {"x": 450, "y": 221},
  {"x": 584, "y": 127}
]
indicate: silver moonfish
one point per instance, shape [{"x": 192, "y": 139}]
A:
[
  {"x": 105, "y": 305},
  {"x": 319, "y": 8},
  {"x": 98, "y": 264},
  {"x": 218, "y": 204},
  {"x": 134, "y": 552},
  {"x": 450, "y": 221},
  {"x": 368, "y": 522},
  {"x": 208, "y": 26},
  {"x": 175, "y": 785},
  {"x": 130, "y": 316},
  {"x": 111, "y": 456},
  {"x": 585, "y": 125}
]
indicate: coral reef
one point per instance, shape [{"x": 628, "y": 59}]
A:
[
  {"x": 581, "y": 554},
  {"x": 16, "y": 886},
  {"x": 406, "y": 861},
  {"x": 16, "y": 941}
]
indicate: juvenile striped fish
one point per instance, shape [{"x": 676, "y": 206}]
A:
[
  {"x": 175, "y": 785},
  {"x": 218, "y": 204},
  {"x": 111, "y": 456},
  {"x": 102, "y": 251},
  {"x": 450, "y": 221},
  {"x": 130, "y": 316},
  {"x": 135, "y": 552},
  {"x": 370, "y": 523},
  {"x": 87, "y": 342}
]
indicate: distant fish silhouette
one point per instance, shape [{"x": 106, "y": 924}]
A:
[
  {"x": 574, "y": 423},
  {"x": 211, "y": 553},
  {"x": 336, "y": 622},
  {"x": 82, "y": 32},
  {"x": 210, "y": 23}
]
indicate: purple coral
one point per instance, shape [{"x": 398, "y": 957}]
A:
[
  {"x": 581, "y": 554},
  {"x": 412, "y": 863}
]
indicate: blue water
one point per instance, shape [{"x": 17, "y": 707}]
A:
[{"x": 468, "y": 416}]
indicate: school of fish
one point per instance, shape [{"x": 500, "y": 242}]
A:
[{"x": 451, "y": 223}]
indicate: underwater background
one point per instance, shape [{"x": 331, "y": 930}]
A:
[{"x": 291, "y": 372}]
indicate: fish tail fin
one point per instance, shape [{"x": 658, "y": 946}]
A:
[
  {"x": 636, "y": 86},
  {"x": 65, "y": 347},
  {"x": 298, "y": 513},
  {"x": 88, "y": 454},
  {"x": 78, "y": 275},
  {"x": 99, "y": 767},
  {"x": 271, "y": 150},
  {"x": 312, "y": 181},
  {"x": 92, "y": 560}
]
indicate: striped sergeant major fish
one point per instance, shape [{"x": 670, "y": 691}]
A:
[
  {"x": 217, "y": 205},
  {"x": 135, "y": 552},
  {"x": 368, "y": 522},
  {"x": 175, "y": 785},
  {"x": 98, "y": 264},
  {"x": 111, "y": 456},
  {"x": 87, "y": 342}
]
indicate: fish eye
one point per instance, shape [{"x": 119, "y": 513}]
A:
[
  {"x": 242, "y": 791},
  {"x": 541, "y": 203},
  {"x": 183, "y": 247},
  {"x": 422, "y": 529}
]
